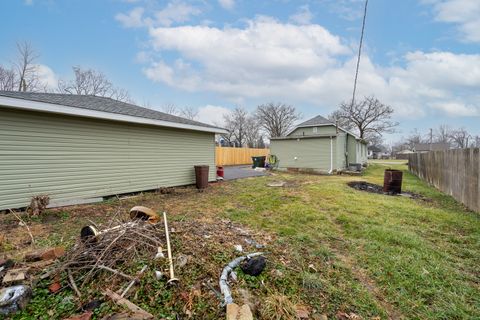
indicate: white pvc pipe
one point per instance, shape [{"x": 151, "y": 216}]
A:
[{"x": 331, "y": 155}]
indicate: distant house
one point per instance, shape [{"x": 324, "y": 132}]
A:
[
  {"x": 74, "y": 148},
  {"x": 375, "y": 152},
  {"x": 434, "y": 146},
  {"x": 318, "y": 145},
  {"x": 403, "y": 154}
]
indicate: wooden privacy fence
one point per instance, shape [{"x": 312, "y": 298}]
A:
[
  {"x": 226, "y": 156},
  {"x": 454, "y": 172}
]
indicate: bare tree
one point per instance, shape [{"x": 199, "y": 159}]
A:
[
  {"x": 25, "y": 67},
  {"x": 442, "y": 134},
  {"x": 460, "y": 138},
  {"x": 92, "y": 82},
  {"x": 235, "y": 124},
  {"x": 252, "y": 132},
  {"x": 369, "y": 117},
  {"x": 189, "y": 113},
  {"x": 170, "y": 108},
  {"x": 7, "y": 79},
  {"x": 276, "y": 118}
]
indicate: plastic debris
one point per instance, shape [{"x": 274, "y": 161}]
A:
[
  {"x": 254, "y": 266},
  {"x": 158, "y": 275},
  {"x": 14, "y": 298},
  {"x": 224, "y": 288}
]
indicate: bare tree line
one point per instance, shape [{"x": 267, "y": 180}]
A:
[
  {"x": 456, "y": 138},
  {"x": 23, "y": 75}
]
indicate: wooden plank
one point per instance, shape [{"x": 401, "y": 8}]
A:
[{"x": 126, "y": 303}]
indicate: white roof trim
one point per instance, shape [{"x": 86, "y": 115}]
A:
[
  {"x": 323, "y": 125},
  {"x": 24, "y": 104}
]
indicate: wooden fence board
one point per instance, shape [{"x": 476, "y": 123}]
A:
[
  {"x": 226, "y": 156},
  {"x": 454, "y": 172}
]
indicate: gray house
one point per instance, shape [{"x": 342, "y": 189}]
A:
[
  {"x": 73, "y": 147},
  {"x": 318, "y": 145}
]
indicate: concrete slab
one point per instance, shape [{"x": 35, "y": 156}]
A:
[{"x": 239, "y": 172}]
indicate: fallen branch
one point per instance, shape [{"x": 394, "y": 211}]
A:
[
  {"x": 72, "y": 283},
  {"x": 23, "y": 223}
]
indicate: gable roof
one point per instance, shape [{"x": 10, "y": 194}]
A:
[
  {"x": 435, "y": 146},
  {"x": 98, "y": 107},
  {"x": 315, "y": 121},
  {"x": 322, "y": 121}
]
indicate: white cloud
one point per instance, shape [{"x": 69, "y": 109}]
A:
[
  {"x": 133, "y": 19},
  {"x": 267, "y": 60},
  {"x": 46, "y": 76},
  {"x": 28, "y": 2},
  {"x": 212, "y": 114},
  {"x": 464, "y": 13},
  {"x": 175, "y": 11},
  {"x": 457, "y": 109},
  {"x": 227, "y": 4},
  {"x": 302, "y": 16}
]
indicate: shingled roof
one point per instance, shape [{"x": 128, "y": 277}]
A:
[
  {"x": 316, "y": 121},
  {"x": 102, "y": 104}
]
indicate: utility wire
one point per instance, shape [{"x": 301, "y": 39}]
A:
[{"x": 359, "y": 53}]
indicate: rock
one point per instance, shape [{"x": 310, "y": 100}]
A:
[
  {"x": 234, "y": 312},
  {"x": 238, "y": 247},
  {"x": 92, "y": 305},
  {"x": 14, "y": 298},
  {"x": 182, "y": 260},
  {"x": 54, "y": 287},
  {"x": 15, "y": 275},
  {"x": 49, "y": 254},
  {"x": 277, "y": 273},
  {"x": 254, "y": 266},
  {"x": 277, "y": 184}
]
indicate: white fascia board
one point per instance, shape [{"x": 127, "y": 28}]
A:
[
  {"x": 324, "y": 125},
  {"x": 24, "y": 104}
]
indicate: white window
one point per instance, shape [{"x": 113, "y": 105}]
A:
[{"x": 314, "y": 129}]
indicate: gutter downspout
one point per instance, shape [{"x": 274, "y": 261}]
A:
[{"x": 331, "y": 155}]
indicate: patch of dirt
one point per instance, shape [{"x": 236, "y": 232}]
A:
[{"x": 375, "y": 188}]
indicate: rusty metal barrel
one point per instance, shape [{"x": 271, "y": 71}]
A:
[
  {"x": 392, "y": 181},
  {"x": 201, "y": 176}
]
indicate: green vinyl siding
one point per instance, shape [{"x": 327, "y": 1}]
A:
[
  {"x": 72, "y": 158},
  {"x": 312, "y": 153},
  {"x": 341, "y": 140},
  {"x": 308, "y": 131},
  {"x": 352, "y": 149}
]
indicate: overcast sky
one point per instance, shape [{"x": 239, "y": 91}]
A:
[{"x": 420, "y": 56}]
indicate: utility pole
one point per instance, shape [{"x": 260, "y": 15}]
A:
[{"x": 431, "y": 138}]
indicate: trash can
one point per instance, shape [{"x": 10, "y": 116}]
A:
[
  {"x": 258, "y": 162},
  {"x": 392, "y": 181},
  {"x": 201, "y": 176}
]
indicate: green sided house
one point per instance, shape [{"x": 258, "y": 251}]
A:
[
  {"x": 318, "y": 145},
  {"x": 79, "y": 148}
]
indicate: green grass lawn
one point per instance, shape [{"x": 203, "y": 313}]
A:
[
  {"x": 376, "y": 254},
  {"x": 337, "y": 249}
]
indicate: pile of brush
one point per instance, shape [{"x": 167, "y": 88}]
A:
[{"x": 111, "y": 253}]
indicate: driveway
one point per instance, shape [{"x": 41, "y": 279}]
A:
[{"x": 239, "y": 172}]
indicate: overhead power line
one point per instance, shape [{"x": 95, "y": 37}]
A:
[{"x": 359, "y": 53}]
